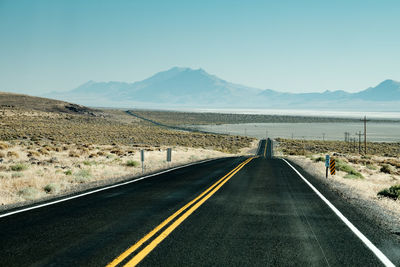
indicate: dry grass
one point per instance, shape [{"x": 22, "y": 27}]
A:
[
  {"x": 32, "y": 153},
  {"x": 30, "y": 178},
  {"x": 304, "y": 147},
  {"x": 49, "y": 147},
  {"x": 380, "y": 168},
  {"x": 3, "y": 146},
  {"x": 116, "y": 127},
  {"x": 12, "y": 154}
]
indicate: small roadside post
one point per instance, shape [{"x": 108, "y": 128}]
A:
[
  {"x": 332, "y": 167},
  {"x": 142, "y": 159},
  {"x": 327, "y": 162},
  {"x": 169, "y": 156}
]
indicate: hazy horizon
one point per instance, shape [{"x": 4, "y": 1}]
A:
[
  {"x": 295, "y": 47},
  {"x": 183, "y": 67}
]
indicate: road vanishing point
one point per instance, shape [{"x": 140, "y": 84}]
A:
[{"x": 237, "y": 211}]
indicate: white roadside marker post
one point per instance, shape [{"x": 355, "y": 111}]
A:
[
  {"x": 327, "y": 162},
  {"x": 169, "y": 156},
  {"x": 142, "y": 159}
]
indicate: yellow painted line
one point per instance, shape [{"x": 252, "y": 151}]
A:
[
  {"x": 143, "y": 253},
  {"x": 265, "y": 149},
  {"x": 130, "y": 250}
]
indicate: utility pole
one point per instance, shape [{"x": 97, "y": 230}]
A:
[
  {"x": 359, "y": 141},
  {"x": 365, "y": 133},
  {"x": 346, "y": 136}
]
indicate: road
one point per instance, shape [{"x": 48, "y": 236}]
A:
[{"x": 240, "y": 211}]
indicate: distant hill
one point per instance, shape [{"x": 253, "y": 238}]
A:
[
  {"x": 195, "y": 88},
  {"x": 26, "y": 102},
  {"x": 388, "y": 90}
]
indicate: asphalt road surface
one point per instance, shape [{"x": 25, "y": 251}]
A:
[{"x": 241, "y": 211}]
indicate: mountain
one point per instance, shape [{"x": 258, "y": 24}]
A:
[
  {"x": 388, "y": 90},
  {"x": 187, "y": 86},
  {"x": 182, "y": 86},
  {"x": 195, "y": 88}
]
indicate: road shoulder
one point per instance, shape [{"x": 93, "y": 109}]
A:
[{"x": 361, "y": 212}]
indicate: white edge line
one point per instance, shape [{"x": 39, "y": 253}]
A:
[
  {"x": 357, "y": 232},
  {"x": 102, "y": 189}
]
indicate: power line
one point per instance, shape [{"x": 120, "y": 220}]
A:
[{"x": 365, "y": 134}]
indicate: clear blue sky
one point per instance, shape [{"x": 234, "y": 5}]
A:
[{"x": 296, "y": 46}]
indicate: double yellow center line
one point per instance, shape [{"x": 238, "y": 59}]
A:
[
  {"x": 157, "y": 240},
  {"x": 265, "y": 149}
]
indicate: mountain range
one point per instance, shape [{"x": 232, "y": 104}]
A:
[{"x": 195, "y": 88}]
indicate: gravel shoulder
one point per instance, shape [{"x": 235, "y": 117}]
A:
[{"x": 362, "y": 193}]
